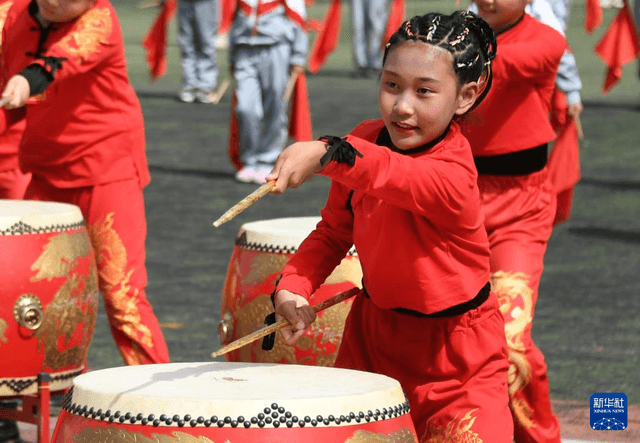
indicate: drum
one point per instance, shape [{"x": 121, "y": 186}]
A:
[
  {"x": 233, "y": 402},
  {"x": 48, "y": 295},
  {"x": 262, "y": 249}
]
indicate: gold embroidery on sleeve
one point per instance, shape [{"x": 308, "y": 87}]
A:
[
  {"x": 92, "y": 29},
  {"x": 457, "y": 430}
]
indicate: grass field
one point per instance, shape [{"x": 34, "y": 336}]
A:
[{"x": 587, "y": 321}]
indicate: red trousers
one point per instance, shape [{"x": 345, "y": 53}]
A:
[
  {"x": 13, "y": 184},
  {"x": 116, "y": 222},
  {"x": 519, "y": 213},
  {"x": 453, "y": 370}
]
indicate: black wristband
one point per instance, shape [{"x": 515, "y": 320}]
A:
[{"x": 339, "y": 150}]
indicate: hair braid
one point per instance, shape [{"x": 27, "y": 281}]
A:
[{"x": 466, "y": 36}]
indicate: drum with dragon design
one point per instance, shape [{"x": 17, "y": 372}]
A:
[
  {"x": 48, "y": 295},
  {"x": 261, "y": 251},
  {"x": 232, "y": 402}
]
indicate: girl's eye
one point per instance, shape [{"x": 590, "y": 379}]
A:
[
  {"x": 423, "y": 90},
  {"x": 390, "y": 84}
]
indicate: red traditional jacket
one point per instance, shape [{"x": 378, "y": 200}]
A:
[
  {"x": 515, "y": 114},
  {"x": 414, "y": 217},
  {"x": 10, "y": 137},
  {"x": 86, "y": 128}
]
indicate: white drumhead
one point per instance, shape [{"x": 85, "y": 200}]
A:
[
  {"x": 228, "y": 389},
  {"x": 280, "y": 235},
  {"x": 31, "y": 217}
]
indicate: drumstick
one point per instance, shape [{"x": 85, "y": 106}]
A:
[
  {"x": 290, "y": 86},
  {"x": 217, "y": 96},
  {"x": 242, "y": 341},
  {"x": 245, "y": 203},
  {"x": 579, "y": 128},
  {"x": 4, "y": 101}
]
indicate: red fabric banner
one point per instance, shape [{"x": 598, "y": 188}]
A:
[
  {"x": 396, "y": 17},
  {"x": 618, "y": 46},
  {"x": 327, "y": 40},
  {"x": 227, "y": 13},
  {"x": 564, "y": 162},
  {"x": 233, "y": 148},
  {"x": 155, "y": 40},
  {"x": 592, "y": 16},
  {"x": 300, "y": 117}
]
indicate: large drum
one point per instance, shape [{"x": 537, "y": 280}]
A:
[
  {"x": 233, "y": 402},
  {"x": 48, "y": 295},
  {"x": 262, "y": 249}
]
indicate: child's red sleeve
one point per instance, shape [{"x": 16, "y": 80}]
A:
[
  {"x": 94, "y": 38},
  {"x": 324, "y": 248},
  {"x": 439, "y": 186},
  {"x": 534, "y": 60}
]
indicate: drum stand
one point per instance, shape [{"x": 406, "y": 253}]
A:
[{"x": 35, "y": 408}]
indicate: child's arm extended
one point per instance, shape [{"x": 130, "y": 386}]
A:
[
  {"x": 94, "y": 38},
  {"x": 438, "y": 186}
]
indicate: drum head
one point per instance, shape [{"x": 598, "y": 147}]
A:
[
  {"x": 29, "y": 217},
  {"x": 235, "y": 390}
]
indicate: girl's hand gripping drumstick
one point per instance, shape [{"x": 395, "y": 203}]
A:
[
  {"x": 245, "y": 203},
  {"x": 342, "y": 296}
]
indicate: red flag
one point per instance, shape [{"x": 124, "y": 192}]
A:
[
  {"x": 314, "y": 25},
  {"x": 233, "y": 148},
  {"x": 300, "y": 118},
  {"x": 564, "y": 162},
  {"x": 592, "y": 16},
  {"x": 155, "y": 41},
  {"x": 327, "y": 41},
  {"x": 396, "y": 17},
  {"x": 227, "y": 13},
  {"x": 618, "y": 46}
]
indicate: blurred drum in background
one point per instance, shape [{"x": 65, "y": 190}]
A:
[
  {"x": 48, "y": 295},
  {"x": 234, "y": 402},
  {"x": 262, "y": 249}
]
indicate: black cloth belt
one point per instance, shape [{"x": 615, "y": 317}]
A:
[
  {"x": 523, "y": 162},
  {"x": 458, "y": 309}
]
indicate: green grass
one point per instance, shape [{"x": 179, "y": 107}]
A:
[{"x": 587, "y": 322}]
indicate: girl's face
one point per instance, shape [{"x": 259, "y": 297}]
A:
[
  {"x": 501, "y": 14},
  {"x": 58, "y": 11},
  {"x": 419, "y": 94}
]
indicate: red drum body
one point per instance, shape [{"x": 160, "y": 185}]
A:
[
  {"x": 48, "y": 295},
  {"x": 262, "y": 249},
  {"x": 234, "y": 402}
]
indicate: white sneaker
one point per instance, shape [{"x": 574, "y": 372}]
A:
[
  {"x": 187, "y": 96},
  {"x": 246, "y": 174},
  {"x": 205, "y": 97},
  {"x": 261, "y": 174}
]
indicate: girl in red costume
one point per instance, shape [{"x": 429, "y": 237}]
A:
[
  {"x": 64, "y": 72},
  {"x": 509, "y": 133},
  {"x": 404, "y": 191}
]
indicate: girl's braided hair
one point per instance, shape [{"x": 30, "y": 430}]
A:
[{"x": 466, "y": 36}]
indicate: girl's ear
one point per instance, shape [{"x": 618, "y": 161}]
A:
[{"x": 467, "y": 97}]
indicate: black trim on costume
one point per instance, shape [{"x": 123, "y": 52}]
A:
[
  {"x": 384, "y": 139},
  {"x": 453, "y": 311},
  {"x": 523, "y": 162},
  {"x": 37, "y": 77}
]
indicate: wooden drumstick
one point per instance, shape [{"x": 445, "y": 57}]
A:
[
  {"x": 242, "y": 341},
  {"x": 292, "y": 82},
  {"x": 150, "y": 4},
  {"x": 245, "y": 203},
  {"x": 217, "y": 96},
  {"x": 4, "y": 101},
  {"x": 579, "y": 128}
]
